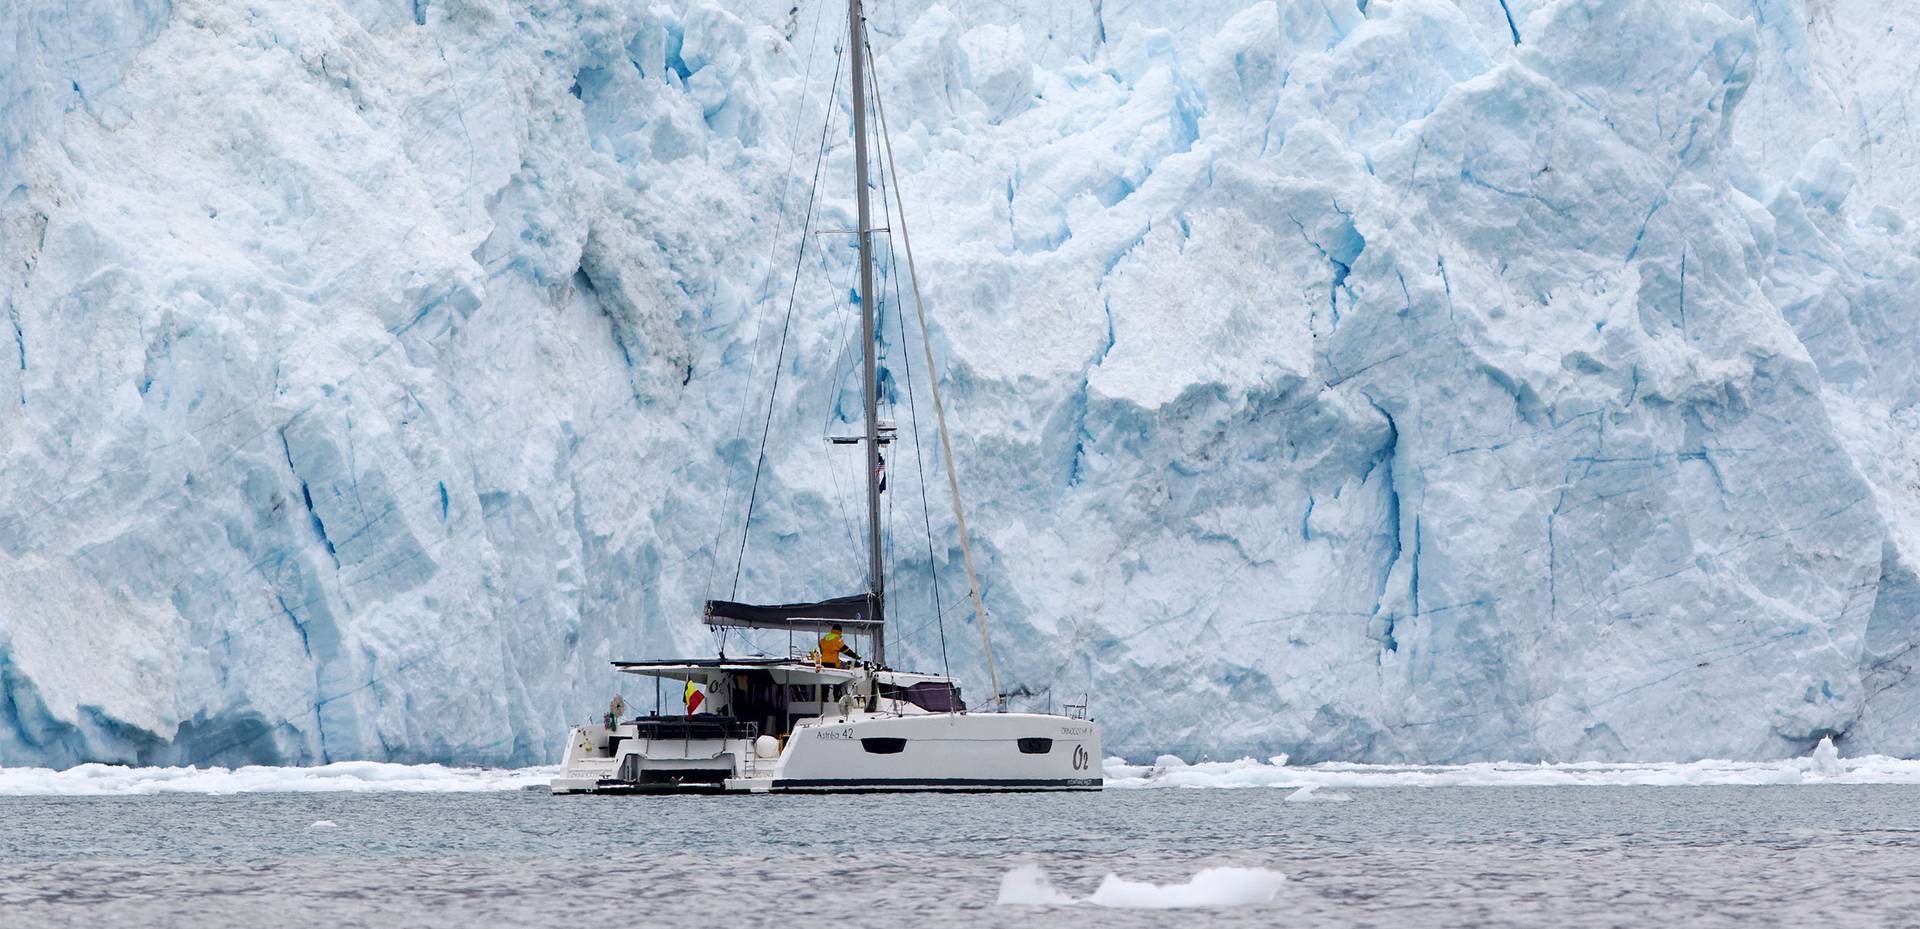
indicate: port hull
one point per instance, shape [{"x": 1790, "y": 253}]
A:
[{"x": 856, "y": 753}]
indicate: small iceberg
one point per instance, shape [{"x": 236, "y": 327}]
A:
[
  {"x": 1208, "y": 887},
  {"x": 323, "y": 824},
  {"x": 1311, "y": 793},
  {"x": 1028, "y": 885}
]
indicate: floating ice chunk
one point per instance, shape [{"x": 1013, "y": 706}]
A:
[
  {"x": 1115, "y": 767},
  {"x": 355, "y": 776},
  {"x": 320, "y": 824},
  {"x": 1311, "y": 794},
  {"x": 1169, "y": 771},
  {"x": 1209, "y": 887},
  {"x": 1028, "y": 885}
]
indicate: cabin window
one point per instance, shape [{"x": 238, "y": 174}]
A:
[
  {"x": 884, "y": 746},
  {"x": 1035, "y": 746},
  {"x": 800, "y": 693},
  {"x": 934, "y": 697}
]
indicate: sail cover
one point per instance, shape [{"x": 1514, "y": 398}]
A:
[{"x": 854, "y": 613}]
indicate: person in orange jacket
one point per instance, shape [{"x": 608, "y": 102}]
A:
[{"x": 832, "y": 646}]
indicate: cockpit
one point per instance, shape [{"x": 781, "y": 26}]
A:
[{"x": 774, "y": 696}]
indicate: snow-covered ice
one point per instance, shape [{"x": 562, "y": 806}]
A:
[{"x": 1391, "y": 381}]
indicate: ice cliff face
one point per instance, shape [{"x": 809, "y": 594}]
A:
[{"x": 1390, "y": 380}]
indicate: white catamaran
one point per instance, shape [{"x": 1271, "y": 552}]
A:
[{"x": 808, "y": 724}]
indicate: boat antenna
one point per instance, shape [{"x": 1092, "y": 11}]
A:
[
  {"x": 939, "y": 409},
  {"x": 876, "y": 578}
]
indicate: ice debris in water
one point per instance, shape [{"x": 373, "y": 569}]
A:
[
  {"x": 1824, "y": 765},
  {"x": 1209, "y": 887},
  {"x": 319, "y": 824},
  {"x": 1028, "y": 885},
  {"x": 353, "y": 776},
  {"x": 1311, "y": 794}
]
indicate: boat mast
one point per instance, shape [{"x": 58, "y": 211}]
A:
[{"x": 876, "y": 578}]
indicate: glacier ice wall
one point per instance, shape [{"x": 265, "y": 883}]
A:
[{"x": 1397, "y": 380}]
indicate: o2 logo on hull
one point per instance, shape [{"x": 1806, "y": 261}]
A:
[{"x": 1080, "y": 759}]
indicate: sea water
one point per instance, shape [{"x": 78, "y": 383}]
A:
[{"x": 1829, "y": 854}]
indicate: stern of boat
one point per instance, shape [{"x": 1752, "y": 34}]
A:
[
  {"x": 586, "y": 761},
  {"x": 658, "y": 754}
]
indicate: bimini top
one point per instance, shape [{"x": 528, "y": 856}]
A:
[
  {"x": 784, "y": 670},
  {"x": 854, "y": 614}
]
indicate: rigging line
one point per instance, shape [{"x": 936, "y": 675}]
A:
[
  {"x": 786, "y": 326},
  {"x": 841, "y": 362},
  {"x": 273, "y": 561},
  {"x": 926, "y": 518},
  {"x": 773, "y": 248},
  {"x": 840, "y": 498},
  {"x": 939, "y": 409},
  {"x": 843, "y": 353},
  {"x": 842, "y": 365},
  {"x": 913, "y": 420},
  {"x": 889, "y": 529},
  {"x": 888, "y": 275},
  {"x": 843, "y": 346},
  {"x": 920, "y": 467}
]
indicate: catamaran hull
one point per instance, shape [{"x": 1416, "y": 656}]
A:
[
  {"x": 949, "y": 785},
  {"x": 992, "y": 752}
]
